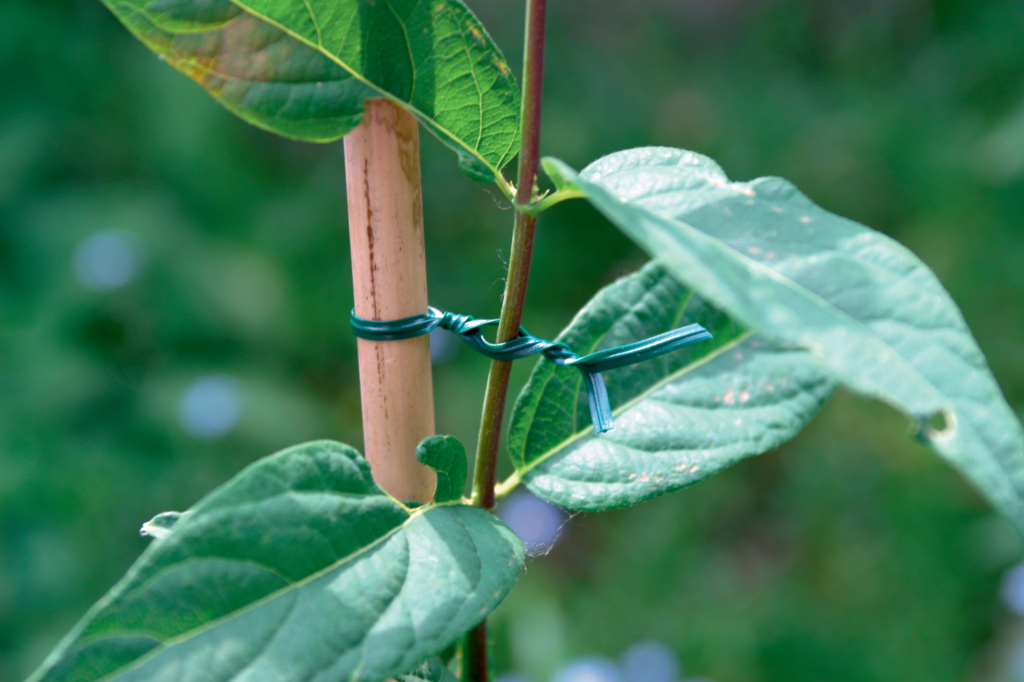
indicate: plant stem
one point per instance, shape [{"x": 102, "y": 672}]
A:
[
  {"x": 522, "y": 254},
  {"x": 497, "y": 381},
  {"x": 476, "y": 669},
  {"x": 474, "y": 654}
]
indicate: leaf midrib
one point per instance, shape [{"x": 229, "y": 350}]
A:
[
  {"x": 946, "y": 402},
  {"x": 326, "y": 491},
  {"x": 514, "y": 479},
  {"x": 298, "y": 584},
  {"x": 601, "y": 337},
  {"x": 383, "y": 93},
  {"x": 573, "y": 411},
  {"x": 784, "y": 281}
]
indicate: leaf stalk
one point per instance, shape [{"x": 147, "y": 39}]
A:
[{"x": 546, "y": 201}]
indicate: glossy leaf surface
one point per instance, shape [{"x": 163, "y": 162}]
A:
[
  {"x": 870, "y": 312},
  {"x": 678, "y": 418},
  {"x": 302, "y": 68},
  {"x": 301, "y": 547}
]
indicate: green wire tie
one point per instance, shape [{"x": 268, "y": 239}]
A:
[{"x": 525, "y": 345}]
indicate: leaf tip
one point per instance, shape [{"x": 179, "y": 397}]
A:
[{"x": 160, "y": 526}]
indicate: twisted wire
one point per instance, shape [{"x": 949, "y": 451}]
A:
[{"x": 525, "y": 344}]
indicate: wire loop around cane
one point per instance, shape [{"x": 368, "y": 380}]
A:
[{"x": 525, "y": 345}]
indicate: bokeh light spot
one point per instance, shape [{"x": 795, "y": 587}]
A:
[
  {"x": 589, "y": 670},
  {"x": 650, "y": 661},
  {"x": 211, "y": 407},
  {"x": 443, "y": 346},
  {"x": 537, "y": 523},
  {"x": 1012, "y": 589},
  {"x": 105, "y": 260}
]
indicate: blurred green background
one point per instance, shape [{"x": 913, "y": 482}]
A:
[{"x": 174, "y": 291}]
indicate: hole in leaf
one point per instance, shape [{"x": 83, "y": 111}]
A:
[{"x": 940, "y": 425}]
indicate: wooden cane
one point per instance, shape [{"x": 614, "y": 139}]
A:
[{"x": 385, "y": 214}]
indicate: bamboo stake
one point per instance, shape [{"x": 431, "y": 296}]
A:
[{"x": 385, "y": 212}]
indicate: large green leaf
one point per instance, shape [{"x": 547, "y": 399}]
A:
[
  {"x": 870, "y": 313},
  {"x": 298, "y": 568},
  {"x": 678, "y": 418},
  {"x": 302, "y": 68}
]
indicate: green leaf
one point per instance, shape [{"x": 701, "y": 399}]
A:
[
  {"x": 299, "y": 567},
  {"x": 447, "y": 456},
  {"x": 431, "y": 670},
  {"x": 302, "y": 68},
  {"x": 871, "y": 313},
  {"x": 678, "y": 418},
  {"x": 253, "y": 69}
]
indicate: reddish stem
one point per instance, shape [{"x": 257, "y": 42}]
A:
[{"x": 476, "y": 668}]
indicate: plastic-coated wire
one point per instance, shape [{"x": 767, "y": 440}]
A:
[{"x": 525, "y": 345}]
